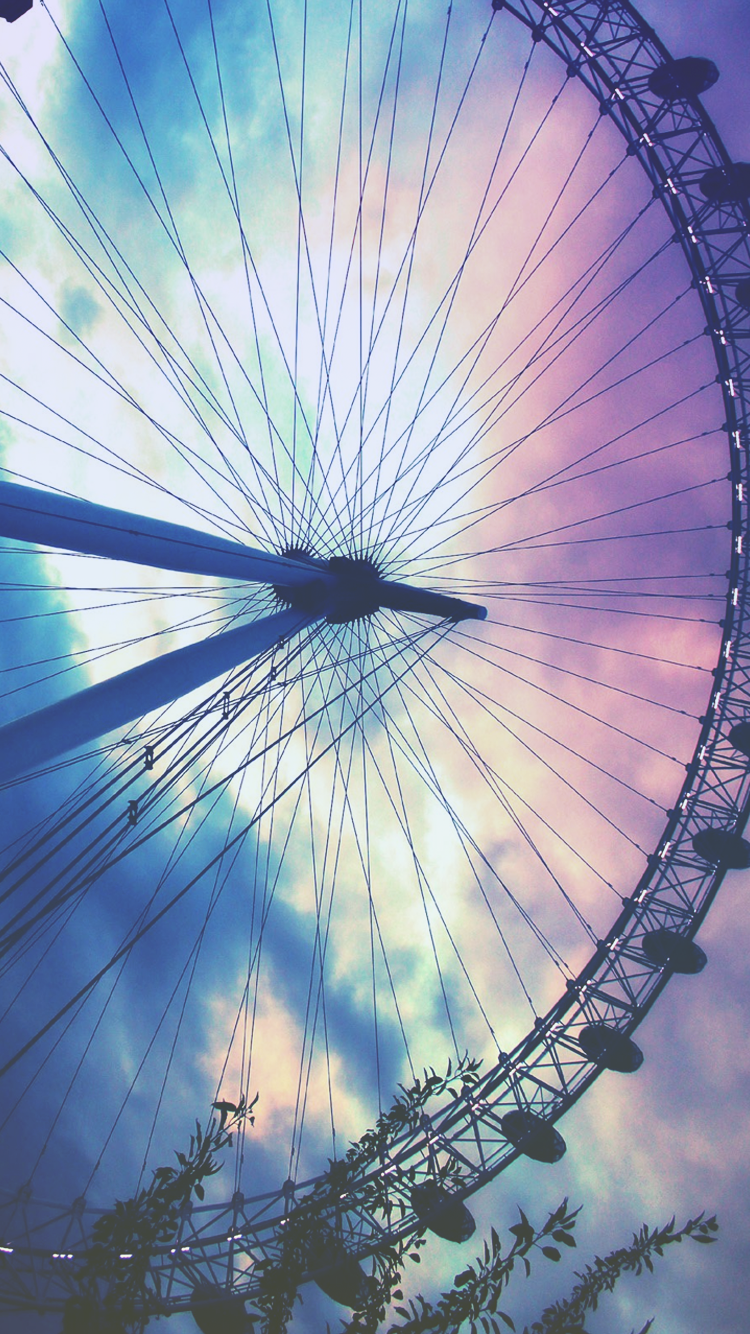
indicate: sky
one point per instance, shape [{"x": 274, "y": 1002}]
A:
[{"x": 374, "y": 916}]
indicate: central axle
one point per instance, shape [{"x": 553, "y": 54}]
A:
[{"x": 358, "y": 591}]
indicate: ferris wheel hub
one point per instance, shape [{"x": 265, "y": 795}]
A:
[{"x": 358, "y": 590}]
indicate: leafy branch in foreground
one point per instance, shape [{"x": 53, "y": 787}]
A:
[
  {"x": 473, "y": 1301},
  {"x": 117, "y": 1289},
  {"x": 476, "y": 1292},
  {"x": 566, "y": 1317},
  {"x": 118, "y": 1259}
]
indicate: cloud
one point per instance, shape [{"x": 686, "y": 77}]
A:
[{"x": 541, "y": 747}]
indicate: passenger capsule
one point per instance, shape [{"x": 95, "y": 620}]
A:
[
  {"x": 740, "y": 733},
  {"x": 723, "y": 848},
  {"x": 680, "y": 79},
  {"x": 446, "y": 1217},
  {"x": 343, "y": 1278},
  {"x": 533, "y": 1136},
  {"x": 610, "y": 1049},
  {"x": 10, "y": 10},
  {"x": 217, "y": 1314},
  {"x": 726, "y": 185},
  {"x": 669, "y": 949}
]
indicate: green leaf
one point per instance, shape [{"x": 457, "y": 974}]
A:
[
  {"x": 551, "y": 1252},
  {"x": 564, "y": 1237},
  {"x": 506, "y": 1319}
]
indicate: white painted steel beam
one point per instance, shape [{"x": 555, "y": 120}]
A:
[
  {"x": 29, "y": 514},
  {"x": 45, "y": 735}
]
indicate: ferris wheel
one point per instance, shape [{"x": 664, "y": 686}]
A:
[{"x": 374, "y": 509}]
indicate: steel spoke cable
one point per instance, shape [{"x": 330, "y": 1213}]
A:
[
  {"x": 421, "y": 764},
  {"x": 188, "y": 455},
  {"x": 176, "y": 898},
  {"x": 175, "y": 234},
  {"x": 228, "y": 527},
  {"x": 490, "y": 705},
  {"x": 501, "y": 784},
  {"x": 323, "y": 388},
  {"x": 457, "y": 729},
  {"x": 566, "y": 338},
  {"x": 362, "y": 845},
  {"x": 516, "y": 285},
  {"x": 478, "y": 229},
  {"x": 347, "y": 806},
  {"x": 576, "y": 708},
  {"x": 105, "y": 284},
  {"x": 407, "y": 259},
  {"x": 133, "y": 771},
  {"x": 425, "y": 891},
  {"x": 298, "y": 264},
  {"x": 234, "y": 201},
  {"x": 194, "y": 955},
  {"x": 316, "y": 1001},
  {"x": 216, "y": 618},
  {"x": 234, "y": 196},
  {"x": 412, "y": 244},
  {"x": 574, "y": 586},
  {"x": 134, "y": 170},
  {"x": 357, "y": 396},
  {"x": 592, "y": 598},
  {"x": 611, "y": 513},
  {"x": 366, "y": 366},
  {"x": 475, "y": 695},
  {"x": 109, "y": 381},
  {"x": 269, "y": 784},
  {"x": 563, "y": 342},
  {"x": 553, "y": 483},
  {"x": 310, "y": 269},
  {"x": 563, "y": 588},
  {"x": 623, "y": 611},
  {"x": 587, "y": 277},
  {"x": 484, "y": 468},
  {"x": 627, "y": 537},
  {"x": 346, "y": 692},
  {"x": 559, "y": 478},
  {"x": 472, "y": 520},
  {"x": 174, "y": 857},
  {"x": 384, "y": 410}
]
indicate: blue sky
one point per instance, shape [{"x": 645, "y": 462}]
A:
[{"x": 168, "y": 413}]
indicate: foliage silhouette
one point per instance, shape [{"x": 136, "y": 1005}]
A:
[{"x": 117, "y": 1291}]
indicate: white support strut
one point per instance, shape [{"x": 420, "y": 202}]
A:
[
  {"x": 340, "y": 589},
  {"x": 29, "y": 514},
  {"x": 42, "y": 736}
]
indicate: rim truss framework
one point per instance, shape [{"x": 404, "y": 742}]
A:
[{"x": 613, "y": 52}]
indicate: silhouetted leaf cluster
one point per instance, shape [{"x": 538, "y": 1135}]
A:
[
  {"x": 117, "y": 1289},
  {"x": 116, "y": 1286},
  {"x": 566, "y": 1317},
  {"x": 474, "y": 1300}
]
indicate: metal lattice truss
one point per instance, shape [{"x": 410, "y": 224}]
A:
[{"x": 613, "y": 52}]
